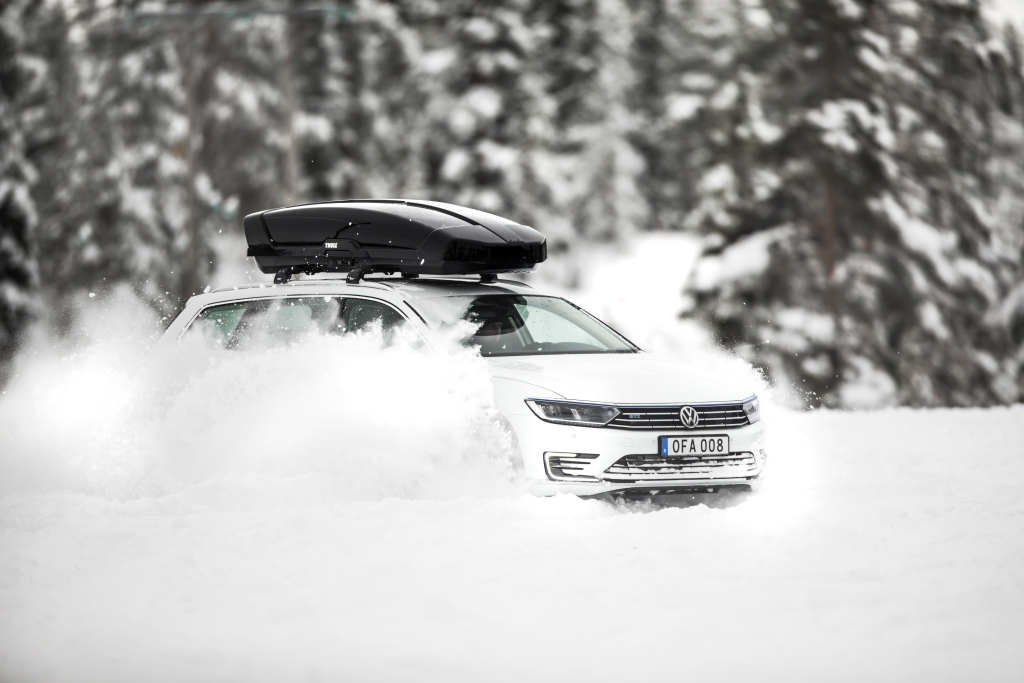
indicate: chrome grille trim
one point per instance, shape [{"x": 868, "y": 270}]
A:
[
  {"x": 712, "y": 416},
  {"x": 638, "y": 468}
]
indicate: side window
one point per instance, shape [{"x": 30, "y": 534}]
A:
[
  {"x": 218, "y": 323},
  {"x": 268, "y": 322},
  {"x": 363, "y": 315},
  {"x": 279, "y": 322}
]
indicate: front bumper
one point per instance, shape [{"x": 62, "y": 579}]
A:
[{"x": 622, "y": 460}]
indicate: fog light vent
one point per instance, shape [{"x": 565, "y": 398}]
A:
[{"x": 568, "y": 466}]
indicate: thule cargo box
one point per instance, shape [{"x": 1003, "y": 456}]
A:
[{"x": 382, "y": 235}]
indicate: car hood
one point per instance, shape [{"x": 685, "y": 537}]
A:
[{"x": 620, "y": 378}]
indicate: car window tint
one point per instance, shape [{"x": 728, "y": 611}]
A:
[
  {"x": 514, "y": 325},
  {"x": 269, "y": 322},
  {"x": 218, "y": 323},
  {"x": 501, "y": 326},
  {"x": 282, "y": 321},
  {"x": 366, "y": 315},
  {"x": 548, "y": 327},
  {"x": 287, "y": 321}
]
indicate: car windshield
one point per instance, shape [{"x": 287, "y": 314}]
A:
[{"x": 514, "y": 325}]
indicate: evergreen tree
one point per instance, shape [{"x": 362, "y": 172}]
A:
[
  {"x": 177, "y": 131},
  {"x": 1008, "y": 181},
  {"x": 584, "y": 173},
  {"x": 829, "y": 262},
  {"x": 951, "y": 105},
  {"x": 682, "y": 51},
  {"x": 854, "y": 165},
  {"x": 247, "y": 129},
  {"x": 364, "y": 85},
  {"x": 480, "y": 140},
  {"x": 18, "y": 277},
  {"x": 112, "y": 176}
]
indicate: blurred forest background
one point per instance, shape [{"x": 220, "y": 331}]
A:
[{"x": 854, "y": 168}]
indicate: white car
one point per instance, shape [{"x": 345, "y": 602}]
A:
[{"x": 591, "y": 412}]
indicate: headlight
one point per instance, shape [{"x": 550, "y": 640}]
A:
[
  {"x": 580, "y": 414},
  {"x": 753, "y": 410}
]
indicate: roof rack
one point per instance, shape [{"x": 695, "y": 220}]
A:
[{"x": 411, "y": 237}]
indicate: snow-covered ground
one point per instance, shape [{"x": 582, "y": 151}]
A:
[
  {"x": 889, "y": 547},
  {"x": 156, "y": 525}
]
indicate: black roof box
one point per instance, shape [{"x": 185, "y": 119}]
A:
[{"x": 389, "y": 235}]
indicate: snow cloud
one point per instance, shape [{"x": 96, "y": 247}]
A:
[{"x": 337, "y": 419}]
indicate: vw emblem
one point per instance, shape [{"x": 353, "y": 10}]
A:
[{"x": 689, "y": 416}]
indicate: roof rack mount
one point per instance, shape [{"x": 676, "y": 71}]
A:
[
  {"x": 388, "y": 236},
  {"x": 354, "y": 273}
]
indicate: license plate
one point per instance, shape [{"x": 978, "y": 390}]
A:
[{"x": 714, "y": 444}]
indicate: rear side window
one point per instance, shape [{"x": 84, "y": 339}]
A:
[
  {"x": 363, "y": 314},
  {"x": 283, "y": 321}
]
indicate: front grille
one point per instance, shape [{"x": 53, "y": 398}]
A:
[
  {"x": 720, "y": 416},
  {"x": 632, "y": 468}
]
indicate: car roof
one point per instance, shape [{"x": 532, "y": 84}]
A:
[{"x": 408, "y": 289}]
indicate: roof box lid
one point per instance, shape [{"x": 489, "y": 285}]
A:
[{"x": 389, "y": 235}]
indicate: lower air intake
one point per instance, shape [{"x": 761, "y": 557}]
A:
[
  {"x": 644, "y": 468},
  {"x": 569, "y": 466}
]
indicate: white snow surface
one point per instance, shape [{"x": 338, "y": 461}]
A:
[
  {"x": 888, "y": 547},
  {"x": 260, "y": 518}
]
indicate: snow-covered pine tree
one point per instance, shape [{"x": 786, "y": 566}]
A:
[
  {"x": 317, "y": 58},
  {"x": 113, "y": 174},
  {"x": 652, "y": 63},
  {"x": 583, "y": 172},
  {"x": 247, "y": 125},
  {"x": 825, "y": 265},
  {"x": 368, "y": 106},
  {"x": 767, "y": 284},
  {"x": 951, "y": 108},
  {"x": 681, "y": 52},
  {"x": 177, "y": 131},
  {"x": 480, "y": 140},
  {"x": 1008, "y": 182},
  {"x": 18, "y": 276}
]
